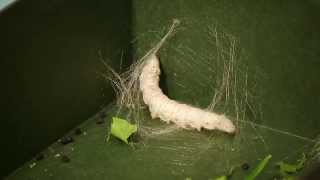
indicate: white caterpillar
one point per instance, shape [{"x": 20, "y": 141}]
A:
[{"x": 184, "y": 116}]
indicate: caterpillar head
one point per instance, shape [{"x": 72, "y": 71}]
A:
[
  {"x": 222, "y": 123},
  {"x": 226, "y": 124}
]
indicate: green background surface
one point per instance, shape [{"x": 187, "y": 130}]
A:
[{"x": 280, "y": 43}]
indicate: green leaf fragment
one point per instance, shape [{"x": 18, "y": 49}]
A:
[
  {"x": 286, "y": 168},
  {"x": 122, "y": 129},
  {"x": 255, "y": 172},
  {"x": 225, "y": 177},
  {"x": 221, "y": 178},
  {"x": 290, "y": 178}
]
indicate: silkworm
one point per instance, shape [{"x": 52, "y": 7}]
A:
[{"x": 168, "y": 110}]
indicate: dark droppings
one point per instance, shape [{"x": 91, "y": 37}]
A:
[
  {"x": 245, "y": 166},
  {"x": 313, "y": 174},
  {"x": 65, "y": 159},
  {"x": 78, "y": 131},
  {"x": 100, "y": 121},
  {"x": 66, "y": 140},
  {"x": 39, "y": 157}
]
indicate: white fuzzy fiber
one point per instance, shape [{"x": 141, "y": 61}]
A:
[{"x": 183, "y": 115}]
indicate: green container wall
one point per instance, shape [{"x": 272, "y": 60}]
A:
[{"x": 50, "y": 69}]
